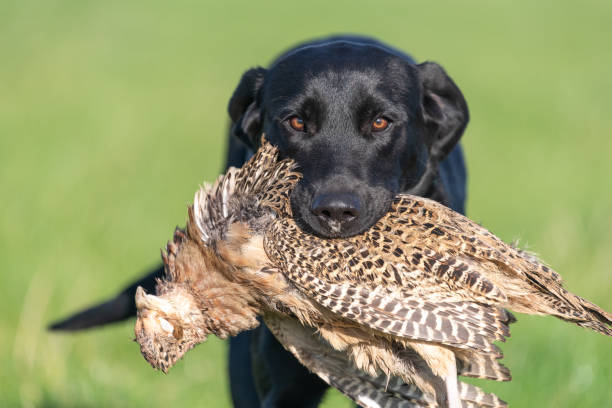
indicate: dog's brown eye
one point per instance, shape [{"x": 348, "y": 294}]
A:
[
  {"x": 297, "y": 123},
  {"x": 379, "y": 124}
]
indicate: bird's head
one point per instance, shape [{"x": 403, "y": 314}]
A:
[{"x": 167, "y": 326}]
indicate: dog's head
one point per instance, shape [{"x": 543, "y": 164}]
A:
[{"x": 361, "y": 120}]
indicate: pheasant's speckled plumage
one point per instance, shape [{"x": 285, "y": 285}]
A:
[{"x": 419, "y": 295}]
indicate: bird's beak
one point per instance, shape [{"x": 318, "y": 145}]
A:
[
  {"x": 140, "y": 298},
  {"x": 145, "y": 301}
]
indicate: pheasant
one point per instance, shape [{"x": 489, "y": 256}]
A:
[{"x": 420, "y": 297}]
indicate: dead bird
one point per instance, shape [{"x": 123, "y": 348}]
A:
[{"x": 421, "y": 295}]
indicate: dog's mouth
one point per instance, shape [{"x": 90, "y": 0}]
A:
[{"x": 338, "y": 214}]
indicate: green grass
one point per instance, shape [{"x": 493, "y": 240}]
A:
[{"x": 112, "y": 113}]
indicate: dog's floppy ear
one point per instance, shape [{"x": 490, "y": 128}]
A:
[
  {"x": 244, "y": 107},
  {"x": 445, "y": 112}
]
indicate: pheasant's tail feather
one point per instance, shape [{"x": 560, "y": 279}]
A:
[
  {"x": 599, "y": 319},
  {"x": 555, "y": 300},
  {"x": 551, "y": 297},
  {"x": 476, "y": 244},
  {"x": 538, "y": 264},
  {"x": 597, "y": 326}
]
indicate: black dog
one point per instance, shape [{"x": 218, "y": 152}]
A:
[{"x": 364, "y": 122}]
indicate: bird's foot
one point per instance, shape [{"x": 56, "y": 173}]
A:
[{"x": 452, "y": 391}]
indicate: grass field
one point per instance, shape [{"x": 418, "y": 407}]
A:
[{"x": 112, "y": 113}]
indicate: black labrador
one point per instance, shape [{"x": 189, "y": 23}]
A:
[{"x": 364, "y": 122}]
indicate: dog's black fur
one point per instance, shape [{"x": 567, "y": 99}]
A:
[
  {"x": 317, "y": 102},
  {"x": 337, "y": 88}
]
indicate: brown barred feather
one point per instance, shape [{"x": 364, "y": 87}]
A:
[
  {"x": 420, "y": 247},
  {"x": 480, "y": 365},
  {"x": 473, "y": 396},
  {"x": 336, "y": 369},
  {"x": 422, "y": 292},
  {"x": 441, "y": 322}
]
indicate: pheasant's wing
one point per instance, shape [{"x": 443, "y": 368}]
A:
[
  {"x": 473, "y": 397},
  {"x": 335, "y": 369},
  {"x": 360, "y": 287}
]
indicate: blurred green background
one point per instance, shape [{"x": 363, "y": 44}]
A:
[{"x": 112, "y": 112}]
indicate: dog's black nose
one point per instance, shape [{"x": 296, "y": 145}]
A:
[{"x": 335, "y": 209}]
